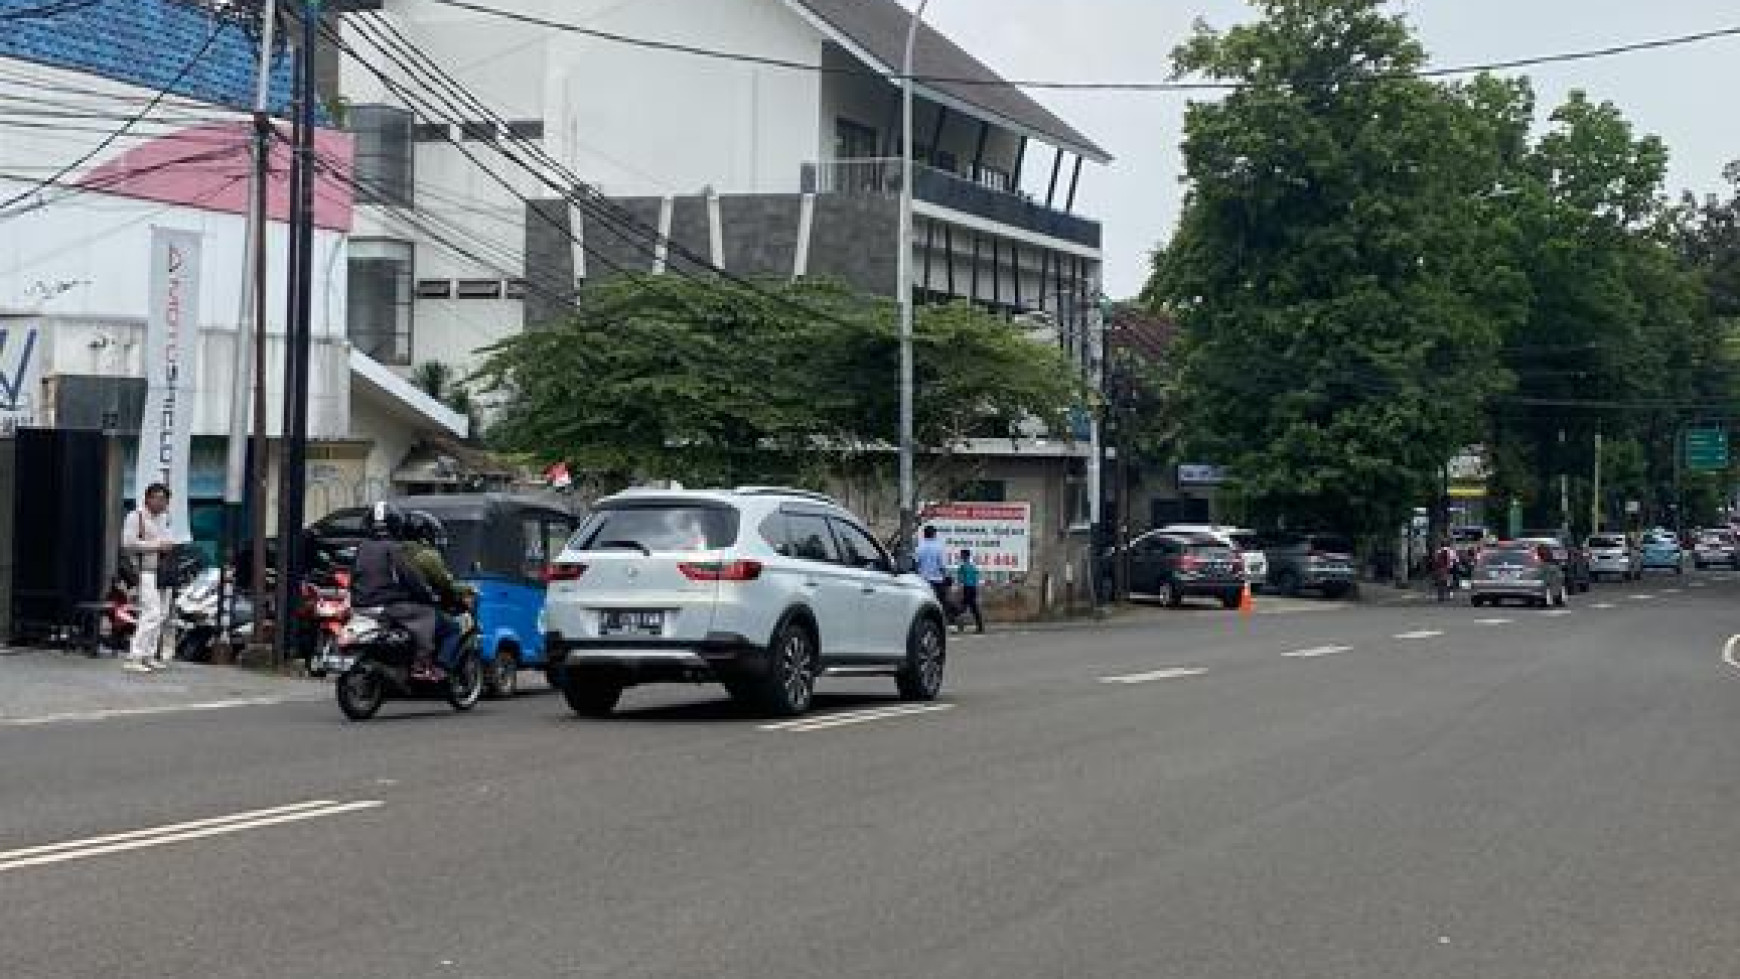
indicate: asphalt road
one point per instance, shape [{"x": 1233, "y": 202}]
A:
[{"x": 1347, "y": 793}]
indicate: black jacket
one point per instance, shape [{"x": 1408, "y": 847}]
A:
[{"x": 382, "y": 576}]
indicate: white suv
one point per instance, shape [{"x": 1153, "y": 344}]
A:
[{"x": 760, "y": 589}]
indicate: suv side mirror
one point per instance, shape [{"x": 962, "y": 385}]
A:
[{"x": 905, "y": 564}]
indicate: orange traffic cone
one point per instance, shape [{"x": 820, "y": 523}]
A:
[{"x": 1247, "y": 605}]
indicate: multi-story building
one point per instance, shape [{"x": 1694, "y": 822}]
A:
[{"x": 761, "y": 137}]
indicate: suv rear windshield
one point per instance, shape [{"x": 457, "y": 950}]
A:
[
  {"x": 1332, "y": 545},
  {"x": 1509, "y": 558},
  {"x": 1608, "y": 541},
  {"x": 667, "y": 527}
]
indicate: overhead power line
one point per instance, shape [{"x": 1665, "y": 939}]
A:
[{"x": 1567, "y": 57}]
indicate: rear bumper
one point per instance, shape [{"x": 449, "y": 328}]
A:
[
  {"x": 658, "y": 660},
  {"x": 1509, "y": 589},
  {"x": 1209, "y": 586}
]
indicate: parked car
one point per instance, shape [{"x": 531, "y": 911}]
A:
[
  {"x": 1321, "y": 562},
  {"x": 1662, "y": 552},
  {"x": 1469, "y": 542},
  {"x": 1567, "y": 555},
  {"x": 1613, "y": 556},
  {"x": 1245, "y": 542},
  {"x": 502, "y": 546},
  {"x": 1515, "y": 570},
  {"x": 1174, "y": 566},
  {"x": 760, "y": 590},
  {"x": 1716, "y": 547}
]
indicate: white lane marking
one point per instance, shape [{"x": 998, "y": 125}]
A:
[
  {"x": 1557, "y": 613},
  {"x": 1604, "y": 605},
  {"x": 1700, "y": 584},
  {"x": 822, "y": 721},
  {"x": 1319, "y": 651},
  {"x": 176, "y": 833},
  {"x": 87, "y": 716},
  {"x": 1641, "y": 598},
  {"x": 1728, "y": 652},
  {"x": 1172, "y": 674},
  {"x": 1493, "y": 621},
  {"x": 1419, "y": 634}
]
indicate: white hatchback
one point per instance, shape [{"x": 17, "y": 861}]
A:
[{"x": 759, "y": 589}]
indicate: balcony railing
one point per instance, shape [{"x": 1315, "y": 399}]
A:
[{"x": 988, "y": 197}]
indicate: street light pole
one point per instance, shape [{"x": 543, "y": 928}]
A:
[{"x": 903, "y": 288}]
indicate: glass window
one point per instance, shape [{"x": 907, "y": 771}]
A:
[
  {"x": 526, "y": 129},
  {"x": 853, "y": 141},
  {"x": 811, "y": 540},
  {"x": 383, "y": 159},
  {"x": 479, "y": 289},
  {"x": 669, "y": 528},
  {"x": 380, "y": 299},
  {"x": 777, "y": 535},
  {"x": 535, "y": 559},
  {"x": 858, "y": 548}
]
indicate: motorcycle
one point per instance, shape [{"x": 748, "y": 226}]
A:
[
  {"x": 120, "y": 618},
  {"x": 195, "y": 619},
  {"x": 329, "y": 612},
  {"x": 374, "y": 665}
]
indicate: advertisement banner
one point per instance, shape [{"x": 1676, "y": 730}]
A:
[
  {"x": 171, "y": 334},
  {"x": 20, "y": 377},
  {"x": 998, "y": 534}
]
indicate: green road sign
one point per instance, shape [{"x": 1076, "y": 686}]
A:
[{"x": 1706, "y": 449}]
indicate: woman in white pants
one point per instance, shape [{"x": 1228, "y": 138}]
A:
[{"x": 145, "y": 535}]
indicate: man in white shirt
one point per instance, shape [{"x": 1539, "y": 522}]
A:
[
  {"x": 145, "y": 535},
  {"x": 933, "y": 565}
]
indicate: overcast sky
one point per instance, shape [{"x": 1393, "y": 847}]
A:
[{"x": 1685, "y": 95}]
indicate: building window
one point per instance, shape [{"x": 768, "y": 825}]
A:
[
  {"x": 434, "y": 288},
  {"x": 516, "y": 289},
  {"x": 479, "y": 289},
  {"x": 482, "y": 132},
  {"x": 995, "y": 179},
  {"x": 432, "y": 132},
  {"x": 853, "y": 141},
  {"x": 383, "y": 154},
  {"x": 380, "y": 299},
  {"x": 983, "y": 491},
  {"x": 529, "y": 129}
]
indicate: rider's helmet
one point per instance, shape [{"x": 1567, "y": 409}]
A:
[
  {"x": 426, "y": 528},
  {"x": 386, "y": 521}
]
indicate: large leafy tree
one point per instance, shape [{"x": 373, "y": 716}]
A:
[
  {"x": 705, "y": 380},
  {"x": 1340, "y": 271}
]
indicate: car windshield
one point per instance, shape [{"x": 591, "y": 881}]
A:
[
  {"x": 1212, "y": 550},
  {"x": 1607, "y": 541},
  {"x": 678, "y": 528},
  {"x": 1716, "y": 537},
  {"x": 1508, "y": 558},
  {"x": 1332, "y": 545}
]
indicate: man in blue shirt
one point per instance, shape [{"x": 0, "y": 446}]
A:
[{"x": 933, "y": 566}]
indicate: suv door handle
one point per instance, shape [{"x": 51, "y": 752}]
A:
[
  {"x": 812, "y": 583},
  {"x": 869, "y": 589}
]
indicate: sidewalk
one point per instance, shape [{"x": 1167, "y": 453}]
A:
[{"x": 38, "y": 686}]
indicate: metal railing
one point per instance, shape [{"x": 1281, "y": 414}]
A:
[{"x": 986, "y": 198}]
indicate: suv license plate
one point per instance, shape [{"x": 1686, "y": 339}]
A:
[{"x": 631, "y": 624}]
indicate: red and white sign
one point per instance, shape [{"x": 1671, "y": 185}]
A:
[{"x": 998, "y": 534}]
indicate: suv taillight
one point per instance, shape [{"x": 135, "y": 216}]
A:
[
  {"x": 564, "y": 572},
  {"x": 721, "y": 570}
]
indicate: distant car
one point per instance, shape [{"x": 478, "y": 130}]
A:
[
  {"x": 1245, "y": 542},
  {"x": 1567, "y": 555},
  {"x": 1613, "y": 556},
  {"x": 1321, "y": 562},
  {"x": 1173, "y": 567},
  {"x": 1519, "y": 571},
  {"x": 1716, "y": 547},
  {"x": 1662, "y": 552}
]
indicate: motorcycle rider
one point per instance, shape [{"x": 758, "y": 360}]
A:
[
  {"x": 384, "y": 577},
  {"x": 424, "y": 538}
]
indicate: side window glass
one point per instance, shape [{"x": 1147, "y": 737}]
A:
[
  {"x": 776, "y": 533},
  {"x": 858, "y": 549},
  {"x": 811, "y": 540},
  {"x": 535, "y": 549}
]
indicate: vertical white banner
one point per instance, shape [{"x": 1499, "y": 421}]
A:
[{"x": 171, "y": 332}]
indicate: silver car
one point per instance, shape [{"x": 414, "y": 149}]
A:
[
  {"x": 1716, "y": 547},
  {"x": 1612, "y": 556}
]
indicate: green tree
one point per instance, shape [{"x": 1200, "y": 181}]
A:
[
  {"x": 708, "y": 381},
  {"x": 439, "y": 380},
  {"x": 1339, "y": 271}
]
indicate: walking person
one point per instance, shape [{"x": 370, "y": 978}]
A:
[
  {"x": 933, "y": 566},
  {"x": 968, "y": 574},
  {"x": 145, "y": 535}
]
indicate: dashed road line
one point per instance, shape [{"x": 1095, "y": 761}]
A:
[
  {"x": 37, "y": 856},
  {"x": 1641, "y": 598},
  {"x": 1419, "y": 634},
  {"x": 1557, "y": 613},
  {"x": 1728, "y": 651},
  {"x": 1493, "y": 621},
  {"x": 88, "y": 716},
  {"x": 823, "y": 722},
  {"x": 1604, "y": 606},
  {"x": 1178, "y": 673},
  {"x": 1318, "y": 652}
]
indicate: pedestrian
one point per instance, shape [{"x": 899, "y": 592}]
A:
[
  {"x": 146, "y": 536},
  {"x": 968, "y": 574},
  {"x": 933, "y": 567}
]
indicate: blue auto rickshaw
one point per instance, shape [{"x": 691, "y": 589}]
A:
[{"x": 502, "y": 545}]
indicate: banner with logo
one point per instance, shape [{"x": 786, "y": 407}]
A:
[
  {"x": 171, "y": 334},
  {"x": 20, "y": 376}
]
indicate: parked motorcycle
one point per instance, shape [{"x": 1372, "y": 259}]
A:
[
  {"x": 120, "y": 618},
  {"x": 329, "y": 611},
  {"x": 195, "y": 619},
  {"x": 374, "y": 665}
]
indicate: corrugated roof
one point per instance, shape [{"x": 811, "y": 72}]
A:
[{"x": 878, "y": 29}]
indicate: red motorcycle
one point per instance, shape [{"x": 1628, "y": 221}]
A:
[
  {"x": 120, "y": 618},
  {"x": 328, "y": 609}
]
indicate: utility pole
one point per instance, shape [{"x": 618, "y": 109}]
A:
[
  {"x": 903, "y": 286},
  {"x": 1595, "y": 497},
  {"x": 293, "y": 467},
  {"x": 251, "y": 320},
  {"x": 1564, "y": 489}
]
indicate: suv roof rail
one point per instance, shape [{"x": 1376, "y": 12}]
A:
[{"x": 787, "y": 491}]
